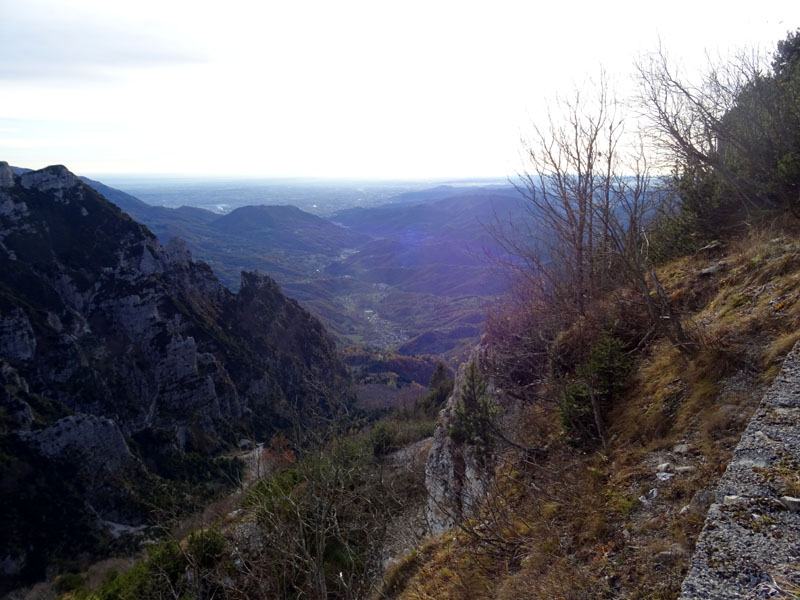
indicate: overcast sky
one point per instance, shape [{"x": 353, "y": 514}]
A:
[{"x": 329, "y": 88}]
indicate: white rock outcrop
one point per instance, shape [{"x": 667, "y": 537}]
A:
[
  {"x": 6, "y": 175},
  {"x": 57, "y": 177},
  {"x": 96, "y": 444},
  {"x": 455, "y": 477}
]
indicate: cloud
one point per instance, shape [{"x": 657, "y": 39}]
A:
[{"x": 47, "y": 44}]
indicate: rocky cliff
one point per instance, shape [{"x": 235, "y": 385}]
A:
[
  {"x": 458, "y": 472},
  {"x": 116, "y": 351},
  {"x": 454, "y": 477}
]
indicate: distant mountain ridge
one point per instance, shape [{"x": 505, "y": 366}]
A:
[
  {"x": 462, "y": 214},
  {"x": 282, "y": 240},
  {"x": 288, "y": 227},
  {"x": 361, "y": 271}
]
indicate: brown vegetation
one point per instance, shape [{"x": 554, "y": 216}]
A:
[
  {"x": 584, "y": 523},
  {"x": 610, "y": 503}
]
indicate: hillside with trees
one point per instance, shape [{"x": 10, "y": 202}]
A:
[{"x": 636, "y": 345}]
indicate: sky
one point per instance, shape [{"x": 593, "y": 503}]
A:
[{"x": 326, "y": 88}]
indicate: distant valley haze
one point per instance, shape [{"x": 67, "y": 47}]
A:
[
  {"x": 322, "y": 196},
  {"x": 394, "y": 265},
  {"x": 395, "y": 130}
]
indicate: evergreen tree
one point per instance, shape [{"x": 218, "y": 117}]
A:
[
  {"x": 475, "y": 413},
  {"x": 439, "y": 388}
]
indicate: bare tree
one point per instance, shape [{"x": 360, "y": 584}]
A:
[
  {"x": 571, "y": 159},
  {"x": 321, "y": 523},
  {"x": 634, "y": 199},
  {"x": 589, "y": 194},
  {"x": 691, "y": 121}
]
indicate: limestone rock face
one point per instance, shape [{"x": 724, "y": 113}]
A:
[
  {"x": 95, "y": 444},
  {"x": 749, "y": 545},
  {"x": 97, "y": 315},
  {"x": 454, "y": 476},
  {"x": 19, "y": 414},
  {"x": 17, "y": 340},
  {"x": 106, "y": 335},
  {"x": 6, "y": 175},
  {"x": 57, "y": 177},
  {"x": 458, "y": 474}
]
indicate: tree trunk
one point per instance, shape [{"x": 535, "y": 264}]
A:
[
  {"x": 598, "y": 417},
  {"x": 673, "y": 330}
]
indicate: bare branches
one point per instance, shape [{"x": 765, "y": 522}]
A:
[
  {"x": 691, "y": 122},
  {"x": 590, "y": 197},
  {"x": 568, "y": 191}
]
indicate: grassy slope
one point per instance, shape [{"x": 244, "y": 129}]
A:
[{"x": 572, "y": 525}]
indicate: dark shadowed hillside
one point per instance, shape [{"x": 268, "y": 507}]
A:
[
  {"x": 126, "y": 367},
  {"x": 287, "y": 229}
]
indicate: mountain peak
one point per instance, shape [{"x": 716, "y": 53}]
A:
[
  {"x": 54, "y": 177},
  {"x": 6, "y": 175},
  {"x": 257, "y": 280},
  {"x": 124, "y": 340}
]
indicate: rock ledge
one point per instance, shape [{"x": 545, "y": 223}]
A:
[{"x": 750, "y": 545}]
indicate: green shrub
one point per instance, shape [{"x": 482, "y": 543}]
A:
[
  {"x": 575, "y": 411},
  {"x": 608, "y": 366},
  {"x": 161, "y": 575},
  {"x": 205, "y": 548},
  {"x": 322, "y": 523},
  {"x": 439, "y": 388},
  {"x": 70, "y": 582},
  {"x": 474, "y": 415},
  {"x": 601, "y": 378},
  {"x": 383, "y": 439},
  {"x": 674, "y": 235}
]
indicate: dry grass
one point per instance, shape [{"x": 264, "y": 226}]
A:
[{"x": 578, "y": 521}]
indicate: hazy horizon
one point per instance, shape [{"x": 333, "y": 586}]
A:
[
  {"x": 353, "y": 90},
  {"x": 158, "y": 178},
  {"x": 321, "y": 196}
]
